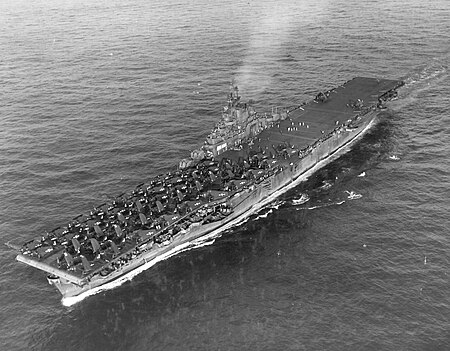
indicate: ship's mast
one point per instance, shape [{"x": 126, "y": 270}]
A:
[{"x": 234, "y": 97}]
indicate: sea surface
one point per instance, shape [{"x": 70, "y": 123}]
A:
[{"x": 99, "y": 96}]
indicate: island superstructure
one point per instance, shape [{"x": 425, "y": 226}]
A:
[{"x": 247, "y": 161}]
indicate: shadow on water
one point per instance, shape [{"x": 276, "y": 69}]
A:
[
  {"x": 175, "y": 290},
  {"x": 182, "y": 287},
  {"x": 191, "y": 285}
]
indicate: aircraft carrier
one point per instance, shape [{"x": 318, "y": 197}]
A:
[{"x": 247, "y": 160}]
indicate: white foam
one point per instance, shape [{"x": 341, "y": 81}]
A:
[
  {"x": 265, "y": 214},
  {"x": 304, "y": 198},
  {"x": 326, "y": 205},
  {"x": 352, "y": 195}
]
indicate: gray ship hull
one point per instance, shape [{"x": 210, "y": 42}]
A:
[
  {"x": 247, "y": 203},
  {"x": 290, "y": 148}
]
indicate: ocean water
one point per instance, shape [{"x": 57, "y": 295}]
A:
[{"x": 98, "y": 96}]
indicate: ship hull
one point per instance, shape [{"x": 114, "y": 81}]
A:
[
  {"x": 248, "y": 161},
  {"x": 246, "y": 204}
]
